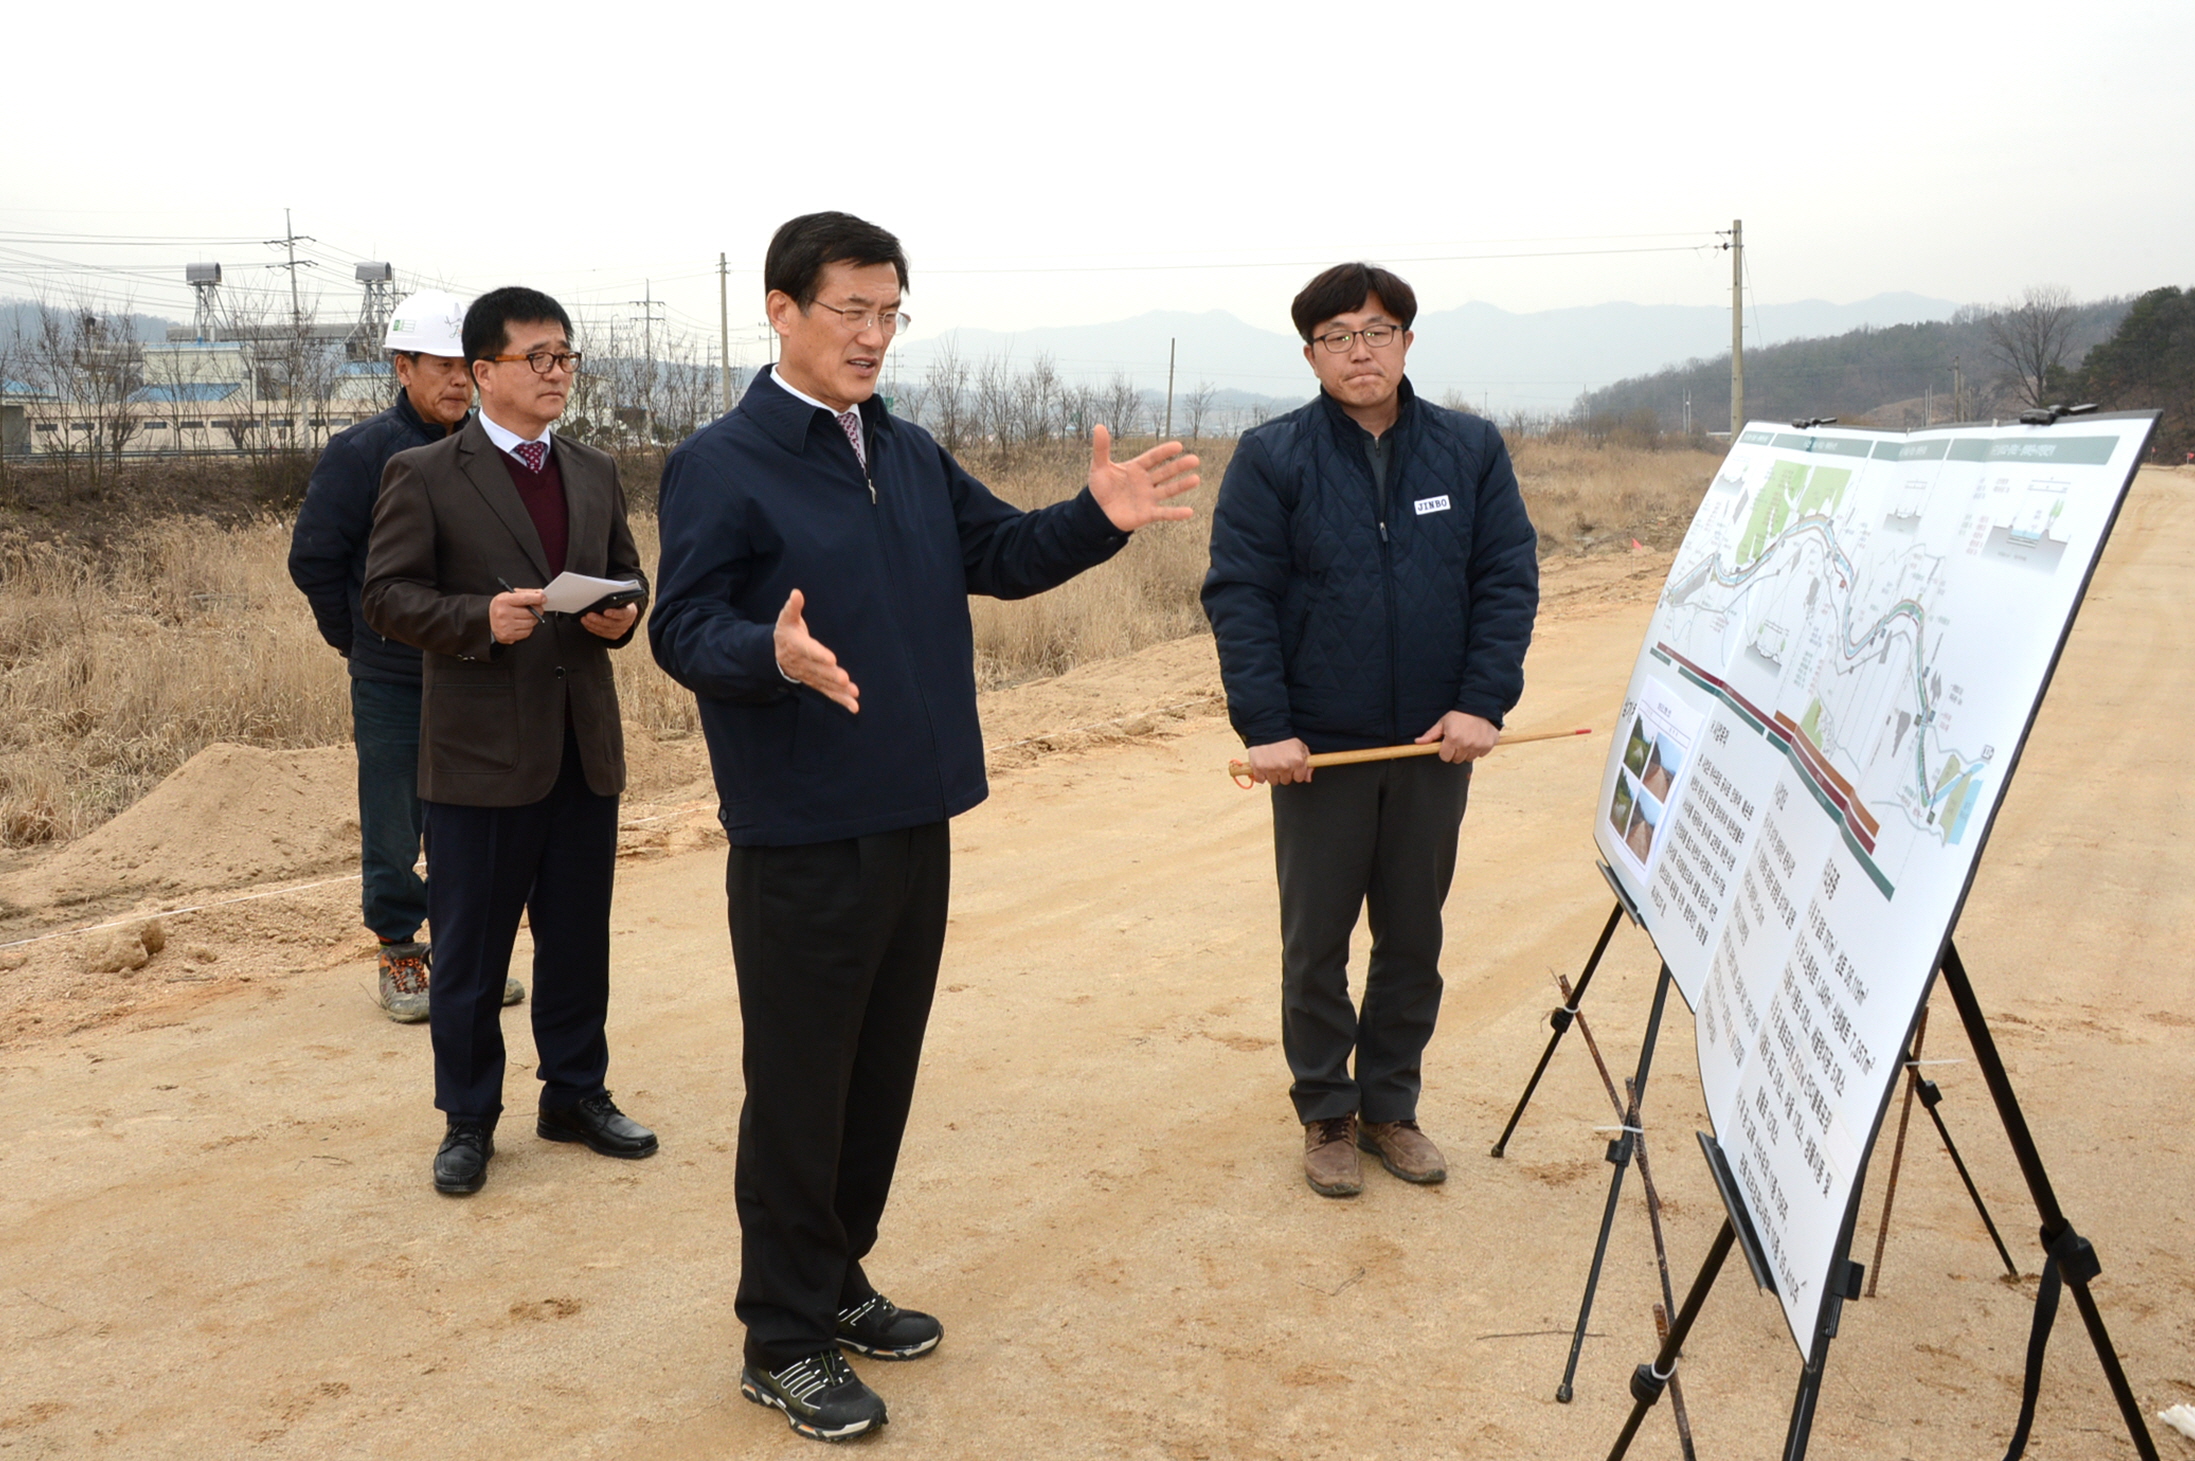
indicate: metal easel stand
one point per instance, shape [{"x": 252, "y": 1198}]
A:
[
  {"x": 1627, "y": 1117},
  {"x": 2070, "y": 1262},
  {"x": 1560, "y": 1019},
  {"x": 1931, "y": 1097},
  {"x": 1620, "y": 1152}
]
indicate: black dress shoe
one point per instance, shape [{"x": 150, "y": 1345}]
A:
[
  {"x": 598, "y": 1123},
  {"x": 461, "y": 1163},
  {"x": 883, "y": 1330}
]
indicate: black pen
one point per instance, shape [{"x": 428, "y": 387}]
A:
[{"x": 529, "y": 607}]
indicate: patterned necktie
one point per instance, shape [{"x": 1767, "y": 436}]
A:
[
  {"x": 532, "y": 453},
  {"x": 850, "y": 423}
]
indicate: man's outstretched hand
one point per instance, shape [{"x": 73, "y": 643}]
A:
[
  {"x": 800, "y": 656},
  {"x": 1134, "y": 493}
]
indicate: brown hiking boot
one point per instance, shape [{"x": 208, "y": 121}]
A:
[
  {"x": 1404, "y": 1150},
  {"x": 1330, "y": 1157},
  {"x": 404, "y": 978}
]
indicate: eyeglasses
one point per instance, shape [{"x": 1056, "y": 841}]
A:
[
  {"x": 1376, "y": 336},
  {"x": 545, "y": 361},
  {"x": 860, "y": 321}
]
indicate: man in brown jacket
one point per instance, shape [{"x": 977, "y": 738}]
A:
[{"x": 521, "y": 758}]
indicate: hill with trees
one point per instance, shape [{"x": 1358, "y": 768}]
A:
[
  {"x": 2148, "y": 363},
  {"x": 1984, "y": 361}
]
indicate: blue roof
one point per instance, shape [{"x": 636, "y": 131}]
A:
[
  {"x": 365, "y": 367},
  {"x": 161, "y": 395}
]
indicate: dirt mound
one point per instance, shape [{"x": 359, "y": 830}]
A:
[
  {"x": 1112, "y": 699},
  {"x": 230, "y": 816},
  {"x": 237, "y": 816}
]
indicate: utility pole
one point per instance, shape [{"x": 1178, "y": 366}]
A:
[
  {"x": 1737, "y": 328},
  {"x": 1169, "y": 432},
  {"x": 648, "y": 306},
  {"x": 724, "y": 328},
  {"x": 289, "y": 241},
  {"x": 297, "y": 344},
  {"x": 1958, "y": 390}
]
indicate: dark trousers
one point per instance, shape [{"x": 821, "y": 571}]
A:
[
  {"x": 385, "y": 727},
  {"x": 554, "y": 859},
  {"x": 836, "y": 946},
  {"x": 1380, "y": 836}
]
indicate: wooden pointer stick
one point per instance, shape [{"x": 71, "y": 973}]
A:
[{"x": 1239, "y": 769}]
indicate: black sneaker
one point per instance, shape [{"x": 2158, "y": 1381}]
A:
[
  {"x": 820, "y": 1394},
  {"x": 885, "y": 1331}
]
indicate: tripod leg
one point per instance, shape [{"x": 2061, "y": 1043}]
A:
[
  {"x": 1668, "y": 1304},
  {"x": 1802, "y": 1412},
  {"x": 1897, "y": 1153},
  {"x": 1647, "y": 1381},
  {"x": 2011, "y": 1269},
  {"x": 1561, "y": 1022},
  {"x": 2056, "y": 1228},
  {"x": 1619, "y": 1154}
]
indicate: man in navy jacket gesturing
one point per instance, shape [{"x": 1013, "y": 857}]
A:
[
  {"x": 817, "y": 558},
  {"x": 1374, "y": 580}
]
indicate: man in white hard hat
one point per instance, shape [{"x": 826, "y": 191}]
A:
[{"x": 328, "y": 562}]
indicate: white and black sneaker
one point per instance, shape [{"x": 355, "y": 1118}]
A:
[
  {"x": 820, "y": 1394},
  {"x": 883, "y": 1330}
]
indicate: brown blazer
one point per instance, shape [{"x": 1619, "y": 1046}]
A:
[{"x": 447, "y": 526}]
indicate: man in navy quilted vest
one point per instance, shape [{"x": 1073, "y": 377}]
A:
[{"x": 1374, "y": 581}]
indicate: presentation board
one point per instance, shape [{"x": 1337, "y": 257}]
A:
[{"x": 1852, "y": 643}]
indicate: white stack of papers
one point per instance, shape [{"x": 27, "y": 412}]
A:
[{"x": 572, "y": 593}]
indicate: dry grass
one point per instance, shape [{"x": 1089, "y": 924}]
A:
[
  {"x": 115, "y": 670},
  {"x": 1584, "y": 497},
  {"x": 1146, "y": 594}
]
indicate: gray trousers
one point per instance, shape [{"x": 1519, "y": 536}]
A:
[{"x": 1381, "y": 837}]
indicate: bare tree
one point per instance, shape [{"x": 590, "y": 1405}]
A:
[
  {"x": 1196, "y": 406},
  {"x": 2031, "y": 339},
  {"x": 589, "y": 409},
  {"x": 87, "y": 364},
  {"x": 907, "y": 399},
  {"x": 946, "y": 393},
  {"x": 15, "y": 428},
  {"x": 995, "y": 415},
  {"x": 1038, "y": 398},
  {"x": 1122, "y": 406}
]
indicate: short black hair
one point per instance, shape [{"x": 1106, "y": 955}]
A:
[
  {"x": 1346, "y": 287},
  {"x": 802, "y": 246},
  {"x": 488, "y": 322}
]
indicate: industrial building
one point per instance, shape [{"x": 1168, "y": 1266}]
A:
[{"x": 216, "y": 386}]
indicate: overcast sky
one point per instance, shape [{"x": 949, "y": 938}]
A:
[{"x": 1059, "y": 164}]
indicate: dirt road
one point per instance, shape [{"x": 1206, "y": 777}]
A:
[{"x": 218, "y": 1238}]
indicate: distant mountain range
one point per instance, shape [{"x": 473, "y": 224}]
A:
[
  {"x": 1537, "y": 361},
  {"x": 1505, "y": 361}
]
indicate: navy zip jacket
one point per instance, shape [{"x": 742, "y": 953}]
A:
[
  {"x": 770, "y": 498},
  {"x": 328, "y": 547},
  {"x": 1349, "y": 620}
]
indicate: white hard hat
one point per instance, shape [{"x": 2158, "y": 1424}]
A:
[{"x": 431, "y": 322}]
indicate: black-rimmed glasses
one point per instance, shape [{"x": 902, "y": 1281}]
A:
[
  {"x": 546, "y": 361},
  {"x": 1376, "y": 336}
]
